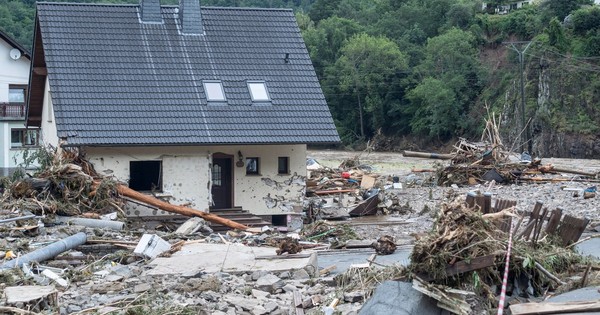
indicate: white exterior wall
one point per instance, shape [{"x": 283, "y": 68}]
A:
[
  {"x": 186, "y": 174},
  {"x": 48, "y": 133},
  {"x": 11, "y": 72}
]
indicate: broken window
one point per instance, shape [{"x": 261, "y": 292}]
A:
[
  {"x": 23, "y": 138},
  {"x": 283, "y": 165},
  {"x": 145, "y": 175},
  {"x": 258, "y": 91},
  {"x": 252, "y": 166},
  {"x": 214, "y": 91}
]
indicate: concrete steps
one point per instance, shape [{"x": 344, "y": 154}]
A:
[{"x": 237, "y": 215}]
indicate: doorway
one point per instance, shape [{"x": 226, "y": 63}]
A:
[{"x": 222, "y": 181}]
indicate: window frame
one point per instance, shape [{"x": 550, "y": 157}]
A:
[
  {"x": 255, "y": 171},
  {"x": 285, "y": 171},
  {"x": 22, "y": 143},
  {"x": 22, "y": 87},
  {"x": 160, "y": 185},
  {"x": 206, "y": 93},
  {"x": 252, "y": 97}
]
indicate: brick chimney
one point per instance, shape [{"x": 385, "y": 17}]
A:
[
  {"x": 190, "y": 17},
  {"x": 150, "y": 11}
]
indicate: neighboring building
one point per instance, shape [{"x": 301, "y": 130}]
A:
[
  {"x": 210, "y": 107},
  {"x": 14, "y": 77},
  {"x": 504, "y": 8}
]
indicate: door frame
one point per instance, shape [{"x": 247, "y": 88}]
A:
[{"x": 221, "y": 155}]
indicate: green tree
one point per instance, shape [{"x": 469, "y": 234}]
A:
[
  {"x": 584, "y": 20},
  {"x": 367, "y": 70},
  {"x": 556, "y": 36},
  {"x": 435, "y": 109},
  {"x": 325, "y": 41},
  {"x": 561, "y": 8},
  {"x": 323, "y": 9}
]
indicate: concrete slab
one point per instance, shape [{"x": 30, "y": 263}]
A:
[
  {"x": 230, "y": 258},
  {"x": 343, "y": 259},
  {"x": 399, "y": 298},
  {"x": 26, "y": 293}
]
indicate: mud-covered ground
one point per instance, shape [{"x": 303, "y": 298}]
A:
[{"x": 424, "y": 200}]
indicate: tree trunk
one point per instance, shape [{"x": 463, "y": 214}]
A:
[{"x": 128, "y": 192}]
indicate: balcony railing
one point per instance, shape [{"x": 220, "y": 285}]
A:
[{"x": 13, "y": 110}]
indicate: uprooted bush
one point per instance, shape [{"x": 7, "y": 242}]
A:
[{"x": 66, "y": 184}]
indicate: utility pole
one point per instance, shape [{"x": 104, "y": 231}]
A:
[{"x": 525, "y": 137}]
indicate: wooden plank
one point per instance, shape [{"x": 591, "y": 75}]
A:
[
  {"x": 298, "y": 302},
  {"x": 470, "y": 199},
  {"x": 473, "y": 264},
  {"x": 538, "y": 226},
  {"x": 571, "y": 228},
  {"x": 554, "y": 308},
  {"x": 535, "y": 214},
  {"x": 553, "y": 221}
]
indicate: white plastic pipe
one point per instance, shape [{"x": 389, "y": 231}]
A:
[{"x": 48, "y": 252}]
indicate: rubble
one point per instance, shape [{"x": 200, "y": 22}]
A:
[{"x": 265, "y": 271}]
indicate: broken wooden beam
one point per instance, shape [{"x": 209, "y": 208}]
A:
[
  {"x": 555, "y": 308},
  {"x": 553, "y": 169},
  {"x": 428, "y": 155},
  {"x": 128, "y": 192}
]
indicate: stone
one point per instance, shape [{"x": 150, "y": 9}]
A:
[
  {"x": 271, "y": 306},
  {"x": 257, "y": 274},
  {"x": 259, "y": 310},
  {"x": 106, "y": 287},
  {"x": 269, "y": 283},
  {"x": 28, "y": 293},
  {"x": 261, "y": 295},
  {"x": 300, "y": 274},
  {"x": 240, "y": 301},
  {"x": 354, "y": 296},
  {"x": 192, "y": 226},
  {"x": 399, "y": 298},
  {"x": 142, "y": 287},
  {"x": 72, "y": 308},
  {"x": 284, "y": 275},
  {"x": 289, "y": 287}
]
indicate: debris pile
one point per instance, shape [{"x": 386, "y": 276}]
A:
[
  {"x": 466, "y": 249},
  {"x": 490, "y": 160},
  {"x": 351, "y": 190}
]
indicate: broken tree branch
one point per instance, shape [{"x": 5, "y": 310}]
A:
[{"x": 128, "y": 192}]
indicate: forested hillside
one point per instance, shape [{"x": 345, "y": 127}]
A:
[{"x": 432, "y": 70}]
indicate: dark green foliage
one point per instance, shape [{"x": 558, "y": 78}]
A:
[
  {"x": 585, "y": 20},
  {"x": 561, "y": 8},
  {"x": 430, "y": 67}
]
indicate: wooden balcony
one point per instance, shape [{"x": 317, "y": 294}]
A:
[{"x": 12, "y": 110}]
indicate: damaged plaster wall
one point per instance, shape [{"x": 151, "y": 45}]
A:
[
  {"x": 184, "y": 172},
  {"x": 269, "y": 193},
  {"x": 187, "y": 181}
]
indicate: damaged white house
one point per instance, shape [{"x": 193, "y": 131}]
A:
[{"x": 204, "y": 106}]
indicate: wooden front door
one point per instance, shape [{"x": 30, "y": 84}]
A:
[{"x": 222, "y": 182}]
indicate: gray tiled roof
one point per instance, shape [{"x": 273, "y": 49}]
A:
[{"x": 116, "y": 81}]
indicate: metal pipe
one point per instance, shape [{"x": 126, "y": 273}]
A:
[
  {"x": 31, "y": 216},
  {"x": 92, "y": 223},
  {"x": 48, "y": 252}
]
